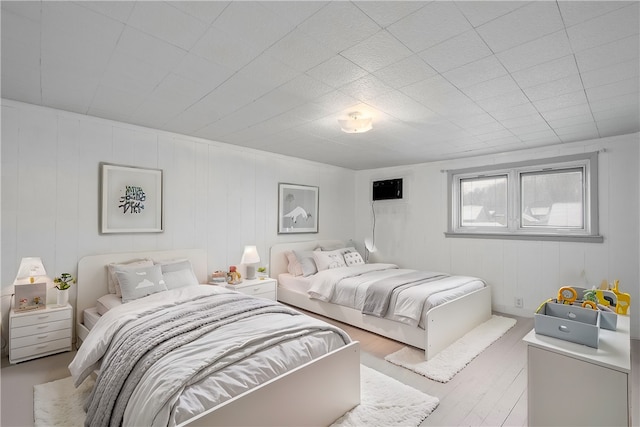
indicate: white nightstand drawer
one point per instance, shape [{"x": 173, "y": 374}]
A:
[
  {"x": 40, "y": 328},
  {"x": 42, "y": 338},
  {"x": 37, "y": 349},
  {"x": 256, "y": 290},
  {"x": 269, "y": 295},
  {"x": 36, "y": 318}
]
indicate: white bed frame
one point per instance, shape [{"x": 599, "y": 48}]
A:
[
  {"x": 306, "y": 395},
  {"x": 444, "y": 324}
]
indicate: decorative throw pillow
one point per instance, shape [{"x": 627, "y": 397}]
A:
[
  {"x": 328, "y": 259},
  {"x": 294, "y": 268},
  {"x": 178, "y": 273},
  {"x": 305, "y": 258},
  {"x": 112, "y": 280},
  {"x": 347, "y": 250},
  {"x": 353, "y": 258},
  {"x": 139, "y": 282}
]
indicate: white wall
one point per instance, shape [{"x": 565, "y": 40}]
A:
[
  {"x": 217, "y": 197},
  {"x": 411, "y": 231}
]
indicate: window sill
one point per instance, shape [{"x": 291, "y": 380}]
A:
[{"x": 535, "y": 237}]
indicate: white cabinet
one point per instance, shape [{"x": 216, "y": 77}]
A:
[
  {"x": 575, "y": 385},
  {"x": 263, "y": 288},
  {"x": 39, "y": 333}
]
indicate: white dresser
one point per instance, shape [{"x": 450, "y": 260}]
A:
[
  {"x": 574, "y": 385},
  {"x": 38, "y": 333}
]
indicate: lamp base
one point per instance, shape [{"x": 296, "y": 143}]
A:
[{"x": 251, "y": 272}]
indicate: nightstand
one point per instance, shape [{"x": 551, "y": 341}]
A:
[
  {"x": 262, "y": 288},
  {"x": 38, "y": 333}
]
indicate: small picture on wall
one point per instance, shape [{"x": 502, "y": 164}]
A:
[
  {"x": 131, "y": 199},
  {"x": 297, "y": 209}
]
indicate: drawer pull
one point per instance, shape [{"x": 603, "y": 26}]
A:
[
  {"x": 43, "y": 327},
  {"x": 41, "y": 337},
  {"x": 42, "y": 346},
  {"x": 46, "y": 316}
]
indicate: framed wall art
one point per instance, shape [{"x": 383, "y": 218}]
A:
[
  {"x": 297, "y": 209},
  {"x": 131, "y": 199}
]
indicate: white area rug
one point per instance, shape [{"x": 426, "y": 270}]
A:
[
  {"x": 385, "y": 402},
  {"x": 446, "y": 364}
]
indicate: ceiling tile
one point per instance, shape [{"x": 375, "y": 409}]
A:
[
  {"x": 574, "y": 12},
  {"x": 208, "y": 74},
  {"x": 536, "y": 52},
  {"x": 429, "y": 88},
  {"x": 516, "y": 122},
  {"x": 149, "y": 49},
  {"x": 514, "y": 111},
  {"x": 385, "y": 13},
  {"x": 554, "y": 88},
  {"x": 499, "y": 102},
  {"x": 610, "y": 90},
  {"x": 268, "y": 72},
  {"x": 376, "y": 52},
  {"x": 628, "y": 101},
  {"x": 455, "y": 52},
  {"x": 25, "y": 9},
  {"x": 619, "y": 125},
  {"x": 129, "y": 74},
  {"x": 580, "y": 135},
  {"x": 434, "y": 23},
  {"x": 167, "y": 23},
  {"x": 561, "y": 101},
  {"x": 405, "y": 72},
  {"x": 615, "y": 25},
  {"x": 339, "y": 25},
  {"x": 611, "y": 74},
  {"x": 402, "y": 107},
  {"x": 479, "y": 13},
  {"x": 523, "y": 25},
  {"x": 306, "y": 87},
  {"x": 225, "y": 49},
  {"x": 476, "y": 72},
  {"x": 565, "y": 112},
  {"x": 119, "y": 10},
  {"x": 205, "y": 11},
  {"x": 300, "y": 51},
  {"x": 572, "y": 121},
  {"x": 294, "y": 11},
  {"x": 611, "y": 53},
  {"x": 491, "y": 88},
  {"x": 337, "y": 71},
  {"x": 366, "y": 88},
  {"x": 546, "y": 72}
]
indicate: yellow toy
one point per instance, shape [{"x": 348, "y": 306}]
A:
[
  {"x": 624, "y": 299},
  {"x": 567, "y": 295}
]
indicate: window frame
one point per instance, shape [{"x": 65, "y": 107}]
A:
[{"x": 586, "y": 162}]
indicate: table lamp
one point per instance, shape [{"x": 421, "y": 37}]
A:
[{"x": 250, "y": 257}]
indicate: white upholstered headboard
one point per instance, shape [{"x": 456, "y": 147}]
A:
[
  {"x": 92, "y": 272},
  {"x": 278, "y": 261}
]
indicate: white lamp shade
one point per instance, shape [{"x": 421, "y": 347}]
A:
[
  {"x": 250, "y": 255},
  {"x": 30, "y": 269}
]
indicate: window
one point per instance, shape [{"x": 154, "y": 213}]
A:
[{"x": 549, "y": 199}]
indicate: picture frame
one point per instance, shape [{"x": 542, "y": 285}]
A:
[
  {"x": 130, "y": 199},
  {"x": 32, "y": 296},
  {"x": 297, "y": 208}
]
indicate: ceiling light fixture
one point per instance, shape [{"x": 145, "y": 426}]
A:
[{"x": 356, "y": 123}]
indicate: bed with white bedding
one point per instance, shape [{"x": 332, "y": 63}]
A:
[
  {"x": 206, "y": 355},
  {"x": 428, "y": 310}
]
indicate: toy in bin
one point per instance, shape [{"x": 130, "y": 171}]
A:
[{"x": 595, "y": 299}]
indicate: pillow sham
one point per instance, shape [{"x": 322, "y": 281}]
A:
[
  {"x": 107, "y": 302},
  {"x": 326, "y": 260},
  {"x": 139, "y": 282},
  {"x": 294, "y": 268},
  {"x": 305, "y": 258},
  {"x": 112, "y": 280},
  {"x": 178, "y": 273},
  {"x": 353, "y": 258}
]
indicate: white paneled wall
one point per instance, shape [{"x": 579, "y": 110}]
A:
[
  {"x": 411, "y": 232},
  {"x": 217, "y": 197}
]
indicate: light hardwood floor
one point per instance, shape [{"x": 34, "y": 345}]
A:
[{"x": 490, "y": 391}]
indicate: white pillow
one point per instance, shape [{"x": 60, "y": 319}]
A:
[
  {"x": 107, "y": 302},
  {"x": 305, "y": 258},
  {"x": 139, "y": 282},
  {"x": 178, "y": 273},
  {"x": 326, "y": 260},
  {"x": 353, "y": 258},
  {"x": 112, "y": 280}
]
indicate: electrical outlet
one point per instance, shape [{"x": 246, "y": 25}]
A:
[{"x": 517, "y": 301}]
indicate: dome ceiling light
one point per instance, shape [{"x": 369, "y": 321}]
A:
[{"x": 356, "y": 123}]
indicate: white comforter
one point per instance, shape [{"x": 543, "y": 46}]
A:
[
  {"x": 150, "y": 405},
  {"x": 347, "y": 286}
]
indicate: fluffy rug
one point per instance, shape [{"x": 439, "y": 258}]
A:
[
  {"x": 446, "y": 364},
  {"x": 385, "y": 402}
]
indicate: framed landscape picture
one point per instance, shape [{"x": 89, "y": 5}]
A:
[
  {"x": 131, "y": 199},
  {"x": 297, "y": 209}
]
